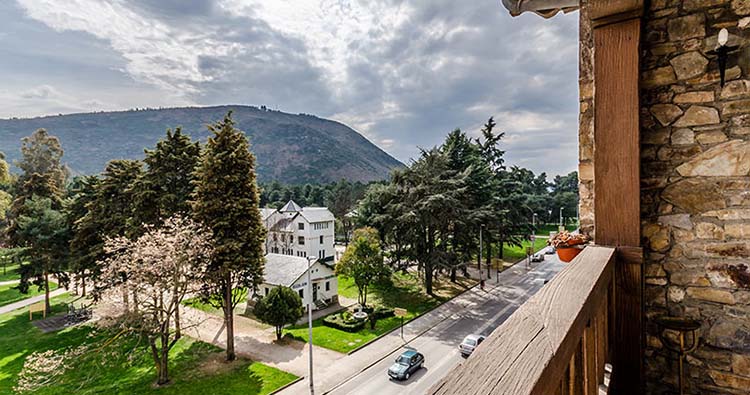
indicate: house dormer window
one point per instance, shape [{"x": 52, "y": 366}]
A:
[{"x": 301, "y": 226}]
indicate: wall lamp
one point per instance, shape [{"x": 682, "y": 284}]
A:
[{"x": 722, "y": 53}]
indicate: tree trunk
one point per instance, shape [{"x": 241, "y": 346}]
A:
[
  {"x": 177, "y": 326},
  {"x": 453, "y": 274},
  {"x": 488, "y": 255},
  {"x": 229, "y": 318},
  {"x": 278, "y": 331},
  {"x": 126, "y": 299},
  {"x": 164, "y": 360},
  {"x": 428, "y": 281},
  {"x": 47, "y": 306},
  {"x": 83, "y": 286}
]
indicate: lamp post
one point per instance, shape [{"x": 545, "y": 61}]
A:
[
  {"x": 561, "y": 216},
  {"x": 309, "y": 320},
  {"x": 479, "y": 266}
]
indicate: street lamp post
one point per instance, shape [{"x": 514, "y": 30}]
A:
[
  {"x": 481, "y": 246},
  {"x": 309, "y": 321},
  {"x": 561, "y": 216}
]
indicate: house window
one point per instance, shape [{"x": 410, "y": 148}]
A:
[
  {"x": 301, "y": 293},
  {"x": 328, "y": 285},
  {"x": 321, "y": 239},
  {"x": 266, "y": 289},
  {"x": 301, "y": 226},
  {"x": 301, "y": 240}
]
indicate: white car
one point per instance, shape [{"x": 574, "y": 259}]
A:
[
  {"x": 538, "y": 257},
  {"x": 470, "y": 344}
]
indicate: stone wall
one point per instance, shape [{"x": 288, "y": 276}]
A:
[
  {"x": 695, "y": 190},
  {"x": 586, "y": 123}
]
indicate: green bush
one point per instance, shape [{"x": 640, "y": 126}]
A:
[{"x": 338, "y": 321}]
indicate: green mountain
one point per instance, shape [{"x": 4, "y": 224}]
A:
[{"x": 289, "y": 148}]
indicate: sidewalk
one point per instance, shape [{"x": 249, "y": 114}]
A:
[
  {"x": 255, "y": 341},
  {"x": 9, "y": 282},
  {"x": 23, "y": 303}
]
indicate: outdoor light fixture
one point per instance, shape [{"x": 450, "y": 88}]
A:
[{"x": 722, "y": 53}]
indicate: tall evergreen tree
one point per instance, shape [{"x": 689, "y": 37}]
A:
[
  {"x": 167, "y": 184},
  {"x": 226, "y": 201},
  {"x": 43, "y": 175},
  {"x": 108, "y": 213},
  {"x": 85, "y": 242},
  {"x": 45, "y": 234}
]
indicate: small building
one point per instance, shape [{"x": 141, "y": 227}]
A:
[
  {"x": 300, "y": 231},
  {"x": 291, "y": 271}
]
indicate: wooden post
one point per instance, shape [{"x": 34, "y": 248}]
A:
[{"x": 617, "y": 29}]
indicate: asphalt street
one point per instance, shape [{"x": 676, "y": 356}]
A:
[{"x": 483, "y": 312}]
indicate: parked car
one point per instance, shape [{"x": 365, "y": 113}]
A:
[
  {"x": 406, "y": 364},
  {"x": 549, "y": 250},
  {"x": 538, "y": 257},
  {"x": 469, "y": 344}
]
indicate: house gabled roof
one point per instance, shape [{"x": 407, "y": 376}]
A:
[
  {"x": 290, "y": 207},
  {"x": 266, "y": 212},
  {"x": 284, "y": 269},
  {"x": 317, "y": 214},
  {"x": 545, "y": 8}
]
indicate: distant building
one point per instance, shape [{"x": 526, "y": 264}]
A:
[
  {"x": 301, "y": 232},
  {"x": 295, "y": 234}
]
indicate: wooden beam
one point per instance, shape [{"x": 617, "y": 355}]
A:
[
  {"x": 612, "y": 11},
  {"x": 617, "y": 181}
]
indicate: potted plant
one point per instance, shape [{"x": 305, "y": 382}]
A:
[{"x": 568, "y": 245}]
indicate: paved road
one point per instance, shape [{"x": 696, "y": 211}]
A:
[{"x": 482, "y": 313}]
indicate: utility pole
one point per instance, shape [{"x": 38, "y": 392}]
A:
[{"x": 309, "y": 321}]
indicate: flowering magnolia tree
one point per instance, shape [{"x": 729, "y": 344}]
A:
[{"x": 158, "y": 269}]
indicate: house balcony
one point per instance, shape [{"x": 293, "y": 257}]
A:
[{"x": 561, "y": 341}]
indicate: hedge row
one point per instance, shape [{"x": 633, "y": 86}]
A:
[{"x": 344, "y": 321}]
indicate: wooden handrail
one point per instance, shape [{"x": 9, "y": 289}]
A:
[{"x": 555, "y": 343}]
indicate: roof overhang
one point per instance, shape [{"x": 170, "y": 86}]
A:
[{"x": 545, "y": 8}]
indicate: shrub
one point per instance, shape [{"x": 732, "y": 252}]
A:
[
  {"x": 337, "y": 321},
  {"x": 383, "y": 312}
]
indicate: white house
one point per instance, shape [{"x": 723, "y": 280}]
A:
[
  {"x": 294, "y": 235},
  {"x": 298, "y": 231},
  {"x": 291, "y": 271}
]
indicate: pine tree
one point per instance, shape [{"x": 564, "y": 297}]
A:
[
  {"x": 43, "y": 175},
  {"x": 167, "y": 184},
  {"x": 226, "y": 201},
  {"x": 44, "y": 231},
  {"x": 85, "y": 242}
]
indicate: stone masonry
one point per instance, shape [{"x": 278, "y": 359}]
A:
[{"x": 695, "y": 191}]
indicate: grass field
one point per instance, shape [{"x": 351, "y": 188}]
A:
[
  {"x": 9, "y": 273},
  {"x": 9, "y": 294},
  {"x": 196, "y": 303},
  {"x": 195, "y": 368},
  {"x": 405, "y": 292}
]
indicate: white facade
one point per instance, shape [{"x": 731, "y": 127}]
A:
[
  {"x": 302, "y": 232},
  {"x": 291, "y": 271}
]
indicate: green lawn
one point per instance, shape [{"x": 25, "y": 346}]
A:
[
  {"x": 10, "y": 272},
  {"x": 196, "y": 303},
  {"x": 9, "y": 294},
  {"x": 196, "y": 367},
  {"x": 405, "y": 292}
]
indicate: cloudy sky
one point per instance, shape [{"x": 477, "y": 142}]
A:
[{"x": 403, "y": 73}]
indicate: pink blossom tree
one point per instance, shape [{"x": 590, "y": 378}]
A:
[{"x": 159, "y": 268}]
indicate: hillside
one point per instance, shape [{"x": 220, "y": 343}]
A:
[{"x": 289, "y": 148}]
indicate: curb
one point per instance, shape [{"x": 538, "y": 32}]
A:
[{"x": 287, "y": 385}]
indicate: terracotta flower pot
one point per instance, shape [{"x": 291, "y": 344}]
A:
[{"x": 566, "y": 254}]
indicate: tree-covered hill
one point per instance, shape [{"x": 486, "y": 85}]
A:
[{"x": 289, "y": 148}]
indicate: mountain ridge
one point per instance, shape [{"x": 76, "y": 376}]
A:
[{"x": 290, "y": 148}]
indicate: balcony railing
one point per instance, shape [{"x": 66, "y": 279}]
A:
[{"x": 558, "y": 342}]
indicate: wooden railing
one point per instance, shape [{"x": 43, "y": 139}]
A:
[{"x": 558, "y": 342}]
